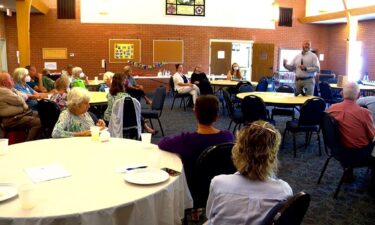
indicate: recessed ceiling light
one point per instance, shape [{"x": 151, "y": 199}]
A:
[{"x": 1, "y": 6}]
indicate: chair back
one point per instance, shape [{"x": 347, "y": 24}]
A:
[
  {"x": 130, "y": 124},
  {"x": 331, "y": 135},
  {"x": 228, "y": 103},
  {"x": 49, "y": 113},
  {"x": 285, "y": 89},
  {"x": 290, "y": 211},
  {"x": 253, "y": 109},
  {"x": 158, "y": 99},
  {"x": 325, "y": 91},
  {"x": 311, "y": 112},
  {"x": 213, "y": 161},
  {"x": 171, "y": 85},
  {"x": 244, "y": 86}
]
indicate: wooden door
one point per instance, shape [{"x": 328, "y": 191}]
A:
[
  {"x": 263, "y": 56},
  {"x": 220, "y": 64}
]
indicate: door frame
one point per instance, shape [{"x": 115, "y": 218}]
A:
[
  {"x": 232, "y": 41},
  {"x": 3, "y": 53}
]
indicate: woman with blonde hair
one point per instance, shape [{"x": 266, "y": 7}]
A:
[{"x": 248, "y": 195}]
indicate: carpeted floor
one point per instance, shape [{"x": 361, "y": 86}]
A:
[{"x": 353, "y": 205}]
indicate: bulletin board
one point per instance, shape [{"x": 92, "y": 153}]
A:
[
  {"x": 168, "y": 51},
  {"x": 124, "y": 50},
  {"x": 55, "y": 53},
  {"x": 288, "y": 54}
]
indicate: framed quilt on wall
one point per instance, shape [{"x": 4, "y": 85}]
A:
[
  {"x": 124, "y": 50},
  {"x": 185, "y": 7}
]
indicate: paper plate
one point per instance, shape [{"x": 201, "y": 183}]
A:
[
  {"x": 146, "y": 176},
  {"x": 7, "y": 191}
]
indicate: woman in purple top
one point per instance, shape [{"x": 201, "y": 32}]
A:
[{"x": 190, "y": 145}]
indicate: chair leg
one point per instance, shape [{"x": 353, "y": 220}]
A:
[
  {"x": 152, "y": 125},
  {"x": 307, "y": 134},
  {"x": 324, "y": 169},
  {"x": 340, "y": 183},
  {"x": 294, "y": 145},
  {"x": 173, "y": 102},
  {"x": 234, "y": 128},
  {"x": 161, "y": 128},
  {"x": 320, "y": 149},
  {"x": 230, "y": 124},
  {"x": 284, "y": 134},
  {"x": 184, "y": 104}
]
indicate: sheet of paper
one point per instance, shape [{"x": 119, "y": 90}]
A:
[{"x": 47, "y": 172}]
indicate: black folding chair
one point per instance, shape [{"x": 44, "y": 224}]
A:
[
  {"x": 178, "y": 95},
  {"x": 156, "y": 107},
  {"x": 49, "y": 113}
]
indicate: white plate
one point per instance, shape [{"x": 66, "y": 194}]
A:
[
  {"x": 7, "y": 191},
  {"x": 146, "y": 176}
]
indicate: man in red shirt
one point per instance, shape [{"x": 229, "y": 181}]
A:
[{"x": 356, "y": 127}]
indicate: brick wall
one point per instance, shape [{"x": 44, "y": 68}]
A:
[{"x": 89, "y": 42}]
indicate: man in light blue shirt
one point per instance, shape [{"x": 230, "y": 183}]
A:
[{"x": 305, "y": 66}]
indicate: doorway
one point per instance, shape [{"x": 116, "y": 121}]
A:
[
  {"x": 223, "y": 53},
  {"x": 3, "y": 56},
  {"x": 263, "y": 59}
]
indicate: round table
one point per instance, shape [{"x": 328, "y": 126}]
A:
[
  {"x": 94, "y": 194},
  {"x": 228, "y": 83},
  {"x": 278, "y": 98},
  {"x": 98, "y": 98}
]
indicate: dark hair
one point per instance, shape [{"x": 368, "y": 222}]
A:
[
  {"x": 177, "y": 65},
  {"x": 118, "y": 84},
  {"x": 28, "y": 67},
  {"x": 206, "y": 109}
]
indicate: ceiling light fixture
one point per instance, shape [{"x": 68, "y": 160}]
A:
[{"x": 1, "y": 6}]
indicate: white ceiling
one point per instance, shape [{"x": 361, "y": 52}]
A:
[{"x": 11, "y": 4}]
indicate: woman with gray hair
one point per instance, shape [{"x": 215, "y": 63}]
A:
[
  {"x": 107, "y": 79},
  {"x": 246, "y": 196},
  {"x": 79, "y": 78},
  {"x": 75, "y": 121},
  {"x": 21, "y": 77}
]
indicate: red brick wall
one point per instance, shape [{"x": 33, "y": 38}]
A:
[
  {"x": 2, "y": 25},
  {"x": 89, "y": 42}
]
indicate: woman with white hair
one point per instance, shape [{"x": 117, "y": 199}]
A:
[
  {"x": 75, "y": 121},
  {"x": 79, "y": 78},
  {"x": 107, "y": 78},
  {"x": 21, "y": 77}
]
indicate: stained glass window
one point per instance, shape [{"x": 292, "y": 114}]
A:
[{"x": 185, "y": 7}]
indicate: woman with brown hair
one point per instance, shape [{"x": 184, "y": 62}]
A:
[{"x": 246, "y": 196}]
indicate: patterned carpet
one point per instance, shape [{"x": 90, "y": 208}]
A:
[{"x": 353, "y": 205}]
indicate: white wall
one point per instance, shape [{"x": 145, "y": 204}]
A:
[{"x": 219, "y": 13}]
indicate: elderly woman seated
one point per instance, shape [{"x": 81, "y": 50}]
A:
[
  {"x": 107, "y": 79},
  {"x": 75, "y": 121},
  {"x": 79, "y": 78},
  {"x": 21, "y": 77},
  {"x": 61, "y": 94},
  {"x": 248, "y": 195}
]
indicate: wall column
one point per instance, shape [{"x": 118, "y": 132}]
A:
[{"x": 23, "y": 8}]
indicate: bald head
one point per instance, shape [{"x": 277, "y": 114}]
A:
[
  {"x": 351, "y": 91},
  {"x": 6, "y": 80},
  {"x": 306, "y": 45},
  {"x": 127, "y": 70}
]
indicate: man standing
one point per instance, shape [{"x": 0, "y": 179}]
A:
[
  {"x": 356, "y": 127},
  {"x": 14, "y": 112},
  {"x": 305, "y": 66}
]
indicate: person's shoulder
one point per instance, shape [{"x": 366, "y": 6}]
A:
[
  {"x": 224, "y": 179},
  {"x": 280, "y": 185}
]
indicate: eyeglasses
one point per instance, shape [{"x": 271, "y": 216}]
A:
[{"x": 263, "y": 127}]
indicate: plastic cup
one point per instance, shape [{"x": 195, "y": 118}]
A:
[
  {"x": 95, "y": 131},
  {"x": 3, "y": 146},
  {"x": 106, "y": 90},
  {"x": 27, "y": 196},
  {"x": 146, "y": 138}
]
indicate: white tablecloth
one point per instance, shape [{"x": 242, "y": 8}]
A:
[{"x": 94, "y": 194}]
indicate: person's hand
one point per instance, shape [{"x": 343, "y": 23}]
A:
[
  {"x": 302, "y": 67},
  {"x": 40, "y": 76},
  {"x": 190, "y": 85},
  {"x": 101, "y": 124}
]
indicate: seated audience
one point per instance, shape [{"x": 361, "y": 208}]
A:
[
  {"x": 78, "y": 78},
  {"x": 182, "y": 85},
  {"x": 234, "y": 73},
  {"x": 36, "y": 81},
  {"x": 48, "y": 83},
  {"x": 200, "y": 79},
  {"x": 14, "y": 112},
  {"x": 190, "y": 145},
  {"x": 21, "y": 77},
  {"x": 68, "y": 72},
  {"x": 369, "y": 103},
  {"x": 134, "y": 89},
  {"x": 76, "y": 121},
  {"x": 117, "y": 91},
  {"x": 356, "y": 127},
  {"x": 248, "y": 195},
  {"x": 107, "y": 79},
  {"x": 60, "y": 97}
]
